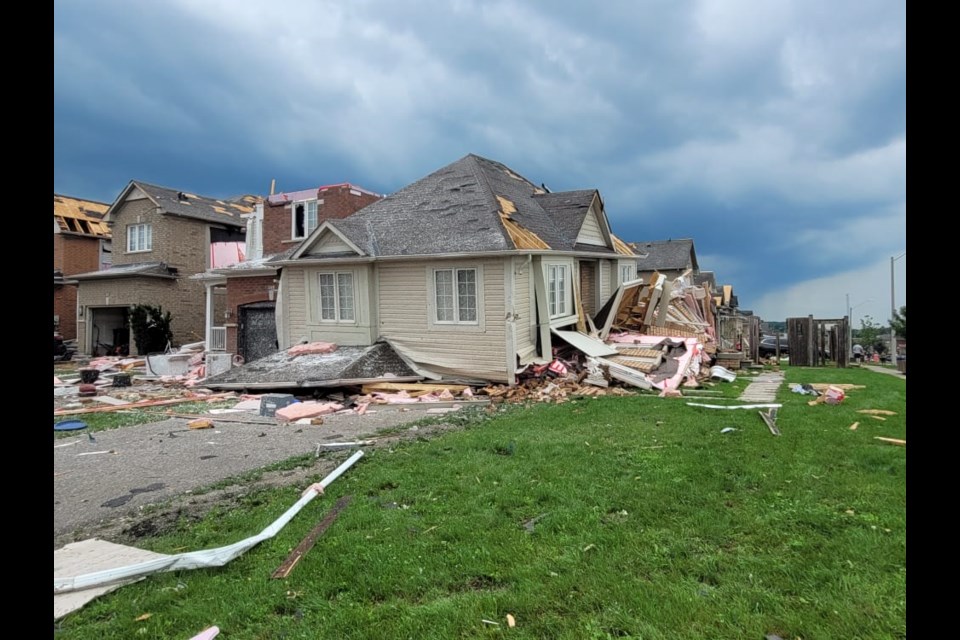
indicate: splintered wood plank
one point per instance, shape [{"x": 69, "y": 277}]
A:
[
  {"x": 307, "y": 543},
  {"x": 664, "y": 310}
]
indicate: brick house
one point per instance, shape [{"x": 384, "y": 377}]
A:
[
  {"x": 164, "y": 237},
  {"x": 81, "y": 243},
  {"x": 276, "y": 226}
]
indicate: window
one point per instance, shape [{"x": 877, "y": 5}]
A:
[
  {"x": 626, "y": 273},
  {"x": 455, "y": 292},
  {"x": 557, "y": 289},
  {"x": 304, "y": 218},
  {"x": 139, "y": 237},
  {"x": 336, "y": 297}
]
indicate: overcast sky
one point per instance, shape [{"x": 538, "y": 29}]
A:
[{"x": 772, "y": 132}]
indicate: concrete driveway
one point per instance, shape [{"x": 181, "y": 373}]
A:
[{"x": 127, "y": 468}]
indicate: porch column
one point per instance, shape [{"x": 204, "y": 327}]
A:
[{"x": 208, "y": 288}]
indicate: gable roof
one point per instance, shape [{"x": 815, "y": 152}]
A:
[
  {"x": 471, "y": 205},
  {"x": 79, "y": 216},
  {"x": 189, "y": 205},
  {"x": 665, "y": 254},
  {"x": 705, "y": 277}
]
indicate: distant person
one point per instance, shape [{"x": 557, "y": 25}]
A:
[{"x": 858, "y": 353}]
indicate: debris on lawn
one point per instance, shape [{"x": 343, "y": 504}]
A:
[
  {"x": 141, "y": 618},
  {"x": 877, "y": 412},
  {"x": 200, "y": 423},
  {"x": 64, "y": 582},
  {"x": 804, "y": 389},
  {"x": 207, "y": 634},
  {"x": 770, "y": 418},
  {"x": 854, "y": 426},
  {"x": 734, "y": 406},
  {"x": 485, "y": 621},
  {"x": 728, "y": 429},
  {"x": 722, "y": 373},
  {"x": 311, "y": 539},
  {"x": 511, "y": 621},
  {"x": 895, "y": 441}
]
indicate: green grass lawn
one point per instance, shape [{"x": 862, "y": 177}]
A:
[{"x": 649, "y": 523}]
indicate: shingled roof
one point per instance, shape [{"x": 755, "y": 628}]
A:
[
  {"x": 189, "y": 205},
  {"x": 471, "y": 205},
  {"x": 665, "y": 254}
]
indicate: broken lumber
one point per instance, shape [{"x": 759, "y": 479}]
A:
[
  {"x": 146, "y": 403},
  {"x": 412, "y": 388},
  {"x": 311, "y": 539},
  {"x": 877, "y": 412},
  {"x": 770, "y": 417},
  {"x": 895, "y": 441}
]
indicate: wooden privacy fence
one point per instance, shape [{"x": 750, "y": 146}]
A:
[{"x": 817, "y": 342}]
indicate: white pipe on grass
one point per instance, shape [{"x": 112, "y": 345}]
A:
[{"x": 197, "y": 559}]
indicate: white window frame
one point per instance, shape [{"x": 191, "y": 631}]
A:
[
  {"x": 559, "y": 290},
  {"x": 337, "y": 299},
  {"x": 307, "y": 229},
  {"x": 457, "y": 323},
  {"x": 628, "y": 272},
  {"x": 132, "y": 234}
]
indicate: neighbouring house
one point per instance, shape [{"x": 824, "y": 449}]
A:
[
  {"x": 81, "y": 243},
  {"x": 163, "y": 237},
  {"x": 278, "y": 224},
  {"x": 671, "y": 257},
  {"x": 472, "y": 271}
]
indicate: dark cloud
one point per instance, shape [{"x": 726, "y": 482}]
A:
[{"x": 754, "y": 128}]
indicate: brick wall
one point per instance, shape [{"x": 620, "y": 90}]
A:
[
  {"x": 338, "y": 202},
  {"x": 244, "y": 291},
  {"x": 75, "y": 253},
  {"x": 72, "y": 254},
  {"x": 65, "y": 306}
]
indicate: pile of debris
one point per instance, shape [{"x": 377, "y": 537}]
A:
[{"x": 672, "y": 308}]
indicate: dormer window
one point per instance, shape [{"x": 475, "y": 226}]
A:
[{"x": 304, "y": 218}]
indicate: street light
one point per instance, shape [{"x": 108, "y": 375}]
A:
[{"x": 893, "y": 312}]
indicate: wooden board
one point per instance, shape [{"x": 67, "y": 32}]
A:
[{"x": 311, "y": 539}]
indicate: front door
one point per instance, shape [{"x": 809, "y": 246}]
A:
[{"x": 256, "y": 330}]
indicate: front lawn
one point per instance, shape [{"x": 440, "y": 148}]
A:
[{"x": 600, "y": 518}]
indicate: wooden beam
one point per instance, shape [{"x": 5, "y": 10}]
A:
[{"x": 307, "y": 543}]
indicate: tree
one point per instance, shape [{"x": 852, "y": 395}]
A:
[
  {"x": 899, "y": 322},
  {"x": 151, "y": 328},
  {"x": 869, "y": 332}
]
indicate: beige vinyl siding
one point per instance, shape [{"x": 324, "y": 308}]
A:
[
  {"x": 330, "y": 243},
  {"x": 590, "y": 232},
  {"x": 523, "y": 308},
  {"x": 295, "y": 306},
  {"x": 467, "y": 350},
  {"x": 606, "y": 290}
]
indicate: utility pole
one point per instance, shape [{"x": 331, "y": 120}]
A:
[{"x": 893, "y": 312}]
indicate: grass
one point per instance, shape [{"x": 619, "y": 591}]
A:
[{"x": 607, "y": 518}]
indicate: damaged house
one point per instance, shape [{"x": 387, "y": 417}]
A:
[
  {"x": 246, "y": 324},
  {"x": 471, "y": 272},
  {"x": 670, "y": 258},
  {"x": 81, "y": 243},
  {"x": 163, "y": 236}
]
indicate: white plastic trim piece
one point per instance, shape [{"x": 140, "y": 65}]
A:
[{"x": 197, "y": 559}]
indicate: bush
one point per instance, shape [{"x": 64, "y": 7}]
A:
[{"x": 151, "y": 328}]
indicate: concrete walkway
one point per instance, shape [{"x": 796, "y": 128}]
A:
[
  {"x": 889, "y": 372},
  {"x": 764, "y": 388}
]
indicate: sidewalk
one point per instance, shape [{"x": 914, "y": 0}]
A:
[{"x": 889, "y": 372}]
